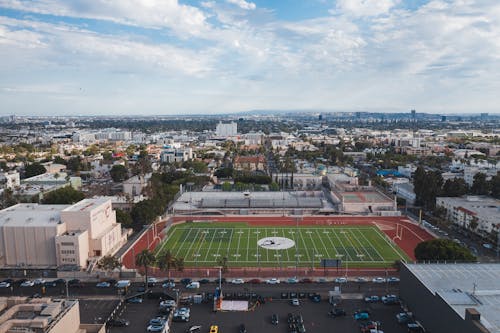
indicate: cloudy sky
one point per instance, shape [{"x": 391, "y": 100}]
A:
[{"x": 179, "y": 57}]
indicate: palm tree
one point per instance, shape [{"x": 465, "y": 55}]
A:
[
  {"x": 179, "y": 263},
  {"x": 145, "y": 259},
  {"x": 166, "y": 262}
]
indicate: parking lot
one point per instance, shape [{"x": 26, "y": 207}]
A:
[{"x": 316, "y": 318}]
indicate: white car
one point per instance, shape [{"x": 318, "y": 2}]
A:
[
  {"x": 378, "y": 280},
  {"x": 392, "y": 279},
  {"x": 28, "y": 283},
  {"x": 295, "y": 302},
  {"x": 103, "y": 285},
  {"x": 341, "y": 280},
  {"x": 237, "y": 281},
  {"x": 360, "y": 279},
  {"x": 273, "y": 281},
  {"x": 4, "y": 284},
  {"x": 167, "y": 304},
  {"x": 38, "y": 281},
  {"x": 152, "y": 280}
]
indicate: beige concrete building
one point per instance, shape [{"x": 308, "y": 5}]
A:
[
  {"x": 43, "y": 315},
  {"x": 54, "y": 235}
]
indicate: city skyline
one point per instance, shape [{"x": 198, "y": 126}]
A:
[{"x": 195, "y": 57}]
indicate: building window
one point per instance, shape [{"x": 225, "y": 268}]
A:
[{"x": 67, "y": 244}]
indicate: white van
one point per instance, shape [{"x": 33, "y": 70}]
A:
[
  {"x": 193, "y": 285},
  {"x": 122, "y": 284}
]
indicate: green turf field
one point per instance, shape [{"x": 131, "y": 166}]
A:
[{"x": 205, "y": 244}]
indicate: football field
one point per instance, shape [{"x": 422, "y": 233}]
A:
[{"x": 205, "y": 244}]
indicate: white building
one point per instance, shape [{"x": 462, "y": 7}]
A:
[
  {"x": 10, "y": 179},
  {"x": 225, "y": 130},
  {"x": 135, "y": 185},
  {"x": 53, "y": 235},
  {"x": 174, "y": 155},
  {"x": 463, "y": 210}
]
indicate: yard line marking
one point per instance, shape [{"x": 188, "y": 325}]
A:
[
  {"x": 361, "y": 247},
  {"x": 182, "y": 244},
  {"x": 192, "y": 243},
  {"x": 337, "y": 253},
  {"x": 267, "y": 251},
  {"x": 210, "y": 244},
  {"x": 305, "y": 246},
  {"x": 390, "y": 244},
  {"x": 287, "y": 255},
  {"x": 203, "y": 235},
  {"x": 248, "y": 244},
  {"x": 371, "y": 244},
  {"x": 238, "y": 250},
  {"x": 349, "y": 239},
  {"x": 316, "y": 252},
  {"x": 324, "y": 245},
  {"x": 347, "y": 255}
]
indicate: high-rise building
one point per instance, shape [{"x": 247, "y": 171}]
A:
[{"x": 225, "y": 130}]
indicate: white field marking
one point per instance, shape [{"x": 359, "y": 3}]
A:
[
  {"x": 192, "y": 243},
  {"x": 326, "y": 232},
  {"x": 287, "y": 255},
  {"x": 267, "y": 251},
  {"x": 371, "y": 244},
  {"x": 349, "y": 239},
  {"x": 391, "y": 245},
  {"x": 313, "y": 241},
  {"x": 353, "y": 236},
  {"x": 202, "y": 241},
  {"x": 252, "y": 263},
  {"x": 248, "y": 244},
  {"x": 240, "y": 232},
  {"x": 239, "y": 239},
  {"x": 309, "y": 232},
  {"x": 210, "y": 244},
  {"x": 324, "y": 245},
  {"x": 347, "y": 255},
  {"x": 305, "y": 246},
  {"x": 176, "y": 255},
  {"x": 333, "y": 245}
]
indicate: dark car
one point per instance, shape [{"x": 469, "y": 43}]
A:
[
  {"x": 337, "y": 312},
  {"x": 134, "y": 300},
  {"x": 316, "y": 298},
  {"x": 60, "y": 281},
  {"x": 254, "y": 281},
  {"x": 274, "y": 319},
  {"x": 9, "y": 281},
  {"x": 50, "y": 284},
  {"x": 75, "y": 283},
  {"x": 204, "y": 281},
  {"x": 223, "y": 280},
  {"x": 118, "y": 322},
  {"x": 243, "y": 329},
  {"x": 306, "y": 280},
  {"x": 186, "y": 281}
]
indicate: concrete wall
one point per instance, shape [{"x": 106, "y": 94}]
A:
[
  {"x": 80, "y": 249},
  {"x": 30, "y": 245},
  {"x": 434, "y": 313}
]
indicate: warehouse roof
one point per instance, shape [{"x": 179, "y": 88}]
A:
[
  {"x": 86, "y": 205},
  {"x": 465, "y": 286},
  {"x": 31, "y": 215}
]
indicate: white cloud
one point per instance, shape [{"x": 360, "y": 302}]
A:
[
  {"x": 243, "y": 4},
  {"x": 146, "y": 13},
  {"x": 360, "y": 8}
]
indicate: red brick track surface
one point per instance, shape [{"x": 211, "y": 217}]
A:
[{"x": 411, "y": 234}]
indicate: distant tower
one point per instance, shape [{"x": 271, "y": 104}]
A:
[
  {"x": 443, "y": 119},
  {"x": 358, "y": 115},
  {"x": 413, "y": 115},
  {"x": 320, "y": 117},
  {"x": 484, "y": 116}
]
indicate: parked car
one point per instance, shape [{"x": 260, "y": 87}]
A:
[
  {"x": 390, "y": 299},
  {"x": 186, "y": 281},
  {"x": 273, "y": 281},
  {"x": 27, "y": 283},
  {"x": 392, "y": 279},
  {"x": 75, "y": 283},
  {"x": 204, "y": 281},
  {"x": 292, "y": 280},
  {"x": 337, "y": 312},
  {"x": 243, "y": 329},
  {"x": 378, "y": 280},
  {"x": 169, "y": 303},
  {"x": 193, "y": 285},
  {"x": 274, "y": 319},
  {"x": 221, "y": 281},
  {"x": 237, "y": 281},
  {"x": 295, "y": 302},
  {"x": 368, "y": 326},
  {"x": 404, "y": 317},
  {"x": 361, "y": 315},
  {"x": 118, "y": 322},
  {"x": 322, "y": 280},
  {"x": 316, "y": 298},
  {"x": 156, "y": 328},
  {"x": 360, "y": 279},
  {"x": 168, "y": 284},
  {"x": 372, "y": 299},
  {"x": 306, "y": 280},
  {"x": 38, "y": 281},
  {"x": 194, "y": 328},
  {"x": 104, "y": 284},
  {"x": 135, "y": 300},
  {"x": 341, "y": 280},
  {"x": 152, "y": 281},
  {"x": 255, "y": 281},
  {"x": 4, "y": 284}
]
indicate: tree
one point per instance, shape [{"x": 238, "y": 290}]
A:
[
  {"x": 109, "y": 263},
  {"x": 223, "y": 264},
  {"x": 419, "y": 185},
  {"x": 226, "y": 186},
  {"x": 66, "y": 195},
  {"x": 118, "y": 173},
  {"x": 442, "y": 249},
  {"x": 427, "y": 186},
  {"x": 145, "y": 258},
  {"x": 480, "y": 185},
  {"x": 166, "y": 262},
  {"x": 124, "y": 218},
  {"x": 34, "y": 169},
  {"x": 495, "y": 186},
  {"x": 455, "y": 187},
  {"x": 179, "y": 263}
]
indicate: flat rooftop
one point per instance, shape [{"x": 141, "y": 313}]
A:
[
  {"x": 465, "y": 286},
  {"x": 87, "y": 205},
  {"x": 23, "y": 215},
  {"x": 363, "y": 197}
]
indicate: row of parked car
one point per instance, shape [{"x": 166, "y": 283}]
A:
[
  {"x": 7, "y": 283},
  {"x": 188, "y": 282}
]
